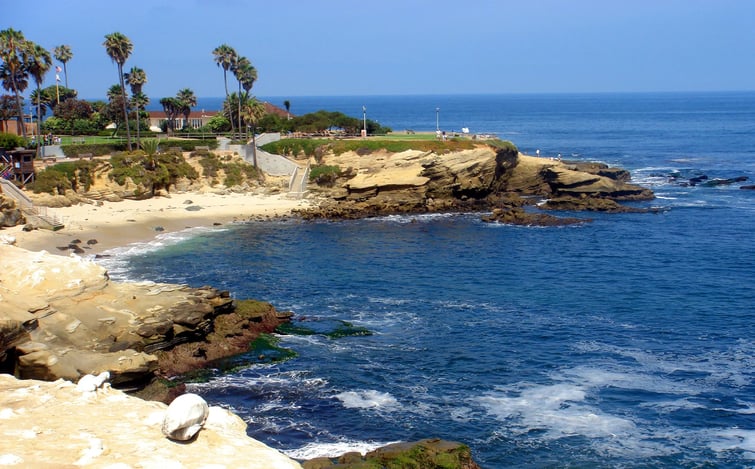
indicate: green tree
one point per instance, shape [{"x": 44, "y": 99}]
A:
[
  {"x": 287, "y": 105},
  {"x": 118, "y": 48},
  {"x": 253, "y": 111},
  {"x": 63, "y": 54},
  {"x": 7, "y": 110},
  {"x": 71, "y": 111},
  {"x": 187, "y": 101},
  {"x": 224, "y": 56},
  {"x": 38, "y": 64},
  {"x": 172, "y": 108},
  {"x": 114, "y": 110},
  {"x": 136, "y": 78},
  {"x": 13, "y": 52}
]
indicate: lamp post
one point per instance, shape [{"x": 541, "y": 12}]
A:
[
  {"x": 364, "y": 121},
  {"x": 437, "y": 114}
]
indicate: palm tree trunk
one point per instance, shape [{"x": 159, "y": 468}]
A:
[
  {"x": 20, "y": 127},
  {"x": 125, "y": 111},
  {"x": 39, "y": 125},
  {"x": 138, "y": 137},
  {"x": 239, "y": 109},
  {"x": 225, "y": 80},
  {"x": 65, "y": 72}
]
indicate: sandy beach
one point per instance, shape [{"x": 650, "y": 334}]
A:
[{"x": 115, "y": 224}]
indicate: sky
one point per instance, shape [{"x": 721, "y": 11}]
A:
[{"x": 404, "y": 47}]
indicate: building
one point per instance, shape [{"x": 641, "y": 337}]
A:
[{"x": 200, "y": 118}]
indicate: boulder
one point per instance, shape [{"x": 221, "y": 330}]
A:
[
  {"x": 428, "y": 453},
  {"x": 184, "y": 417}
]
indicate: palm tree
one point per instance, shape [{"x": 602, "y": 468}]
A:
[
  {"x": 136, "y": 78},
  {"x": 225, "y": 56},
  {"x": 187, "y": 101},
  {"x": 13, "y": 53},
  {"x": 139, "y": 101},
  {"x": 119, "y": 47},
  {"x": 238, "y": 67},
  {"x": 171, "y": 107},
  {"x": 38, "y": 63},
  {"x": 253, "y": 111},
  {"x": 63, "y": 54},
  {"x": 287, "y": 105}
]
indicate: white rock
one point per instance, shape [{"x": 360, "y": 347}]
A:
[
  {"x": 7, "y": 239},
  {"x": 185, "y": 416},
  {"x": 90, "y": 383}
]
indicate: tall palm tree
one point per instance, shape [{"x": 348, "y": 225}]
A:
[
  {"x": 119, "y": 48},
  {"x": 245, "y": 74},
  {"x": 13, "y": 52},
  {"x": 224, "y": 56},
  {"x": 136, "y": 78},
  {"x": 63, "y": 54},
  {"x": 287, "y": 105},
  {"x": 38, "y": 64},
  {"x": 188, "y": 100}
]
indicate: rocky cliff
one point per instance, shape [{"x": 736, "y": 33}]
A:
[
  {"x": 62, "y": 317},
  {"x": 479, "y": 179}
]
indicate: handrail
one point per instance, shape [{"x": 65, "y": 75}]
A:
[{"x": 292, "y": 179}]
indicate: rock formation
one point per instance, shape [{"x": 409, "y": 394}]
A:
[
  {"x": 51, "y": 424},
  {"x": 428, "y": 453},
  {"x": 414, "y": 181},
  {"x": 62, "y": 317}
]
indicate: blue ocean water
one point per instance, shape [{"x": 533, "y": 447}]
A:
[{"x": 628, "y": 341}]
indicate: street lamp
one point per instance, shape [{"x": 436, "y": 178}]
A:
[
  {"x": 437, "y": 112},
  {"x": 364, "y": 121}
]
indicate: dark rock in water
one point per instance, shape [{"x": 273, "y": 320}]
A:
[
  {"x": 429, "y": 453},
  {"x": 159, "y": 228},
  {"x": 518, "y": 216},
  {"x": 193, "y": 208},
  {"x": 750, "y": 188},
  {"x": 698, "y": 179},
  {"x": 217, "y": 224},
  {"x": 92, "y": 242},
  {"x": 75, "y": 248},
  {"x": 102, "y": 256},
  {"x": 591, "y": 204},
  {"x": 724, "y": 182}
]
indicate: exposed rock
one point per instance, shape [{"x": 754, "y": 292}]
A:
[
  {"x": 86, "y": 324},
  {"x": 50, "y": 424},
  {"x": 429, "y": 453},
  {"x": 518, "y": 216},
  {"x": 469, "y": 180},
  {"x": 10, "y": 215},
  {"x": 185, "y": 417},
  {"x": 592, "y": 204}
]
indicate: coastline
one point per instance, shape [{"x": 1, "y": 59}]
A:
[{"x": 118, "y": 224}]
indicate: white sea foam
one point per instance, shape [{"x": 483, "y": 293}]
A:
[
  {"x": 734, "y": 439},
  {"x": 116, "y": 260},
  {"x": 368, "y": 399},
  {"x": 556, "y": 409},
  {"x": 334, "y": 449}
]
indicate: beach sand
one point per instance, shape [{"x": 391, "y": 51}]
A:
[{"x": 116, "y": 224}]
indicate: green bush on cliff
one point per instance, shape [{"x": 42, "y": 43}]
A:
[
  {"x": 11, "y": 141},
  {"x": 324, "y": 175},
  {"x": 76, "y": 175}
]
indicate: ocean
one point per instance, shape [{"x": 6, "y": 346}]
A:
[{"x": 625, "y": 342}]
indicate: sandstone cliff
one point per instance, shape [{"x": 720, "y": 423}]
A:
[
  {"x": 52, "y": 424},
  {"x": 62, "y": 317},
  {"x": 479, "y": 179}
]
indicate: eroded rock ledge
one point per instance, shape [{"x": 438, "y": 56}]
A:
[
  {"x": 413, "y": 182},
  {"x": 62, "y": 317}
]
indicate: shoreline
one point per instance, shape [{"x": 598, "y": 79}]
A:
[{"x": 119, "y": 224}]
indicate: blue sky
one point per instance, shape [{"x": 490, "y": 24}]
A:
[{"x": 339, "y": 47}]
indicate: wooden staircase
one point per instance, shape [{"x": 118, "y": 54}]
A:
[{"x": 38, "y": 216}]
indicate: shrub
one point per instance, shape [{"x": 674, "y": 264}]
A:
[
  {"x": 324, "y": 175},
  {"x": 50, "y": 181},
  {"x": 11, "y": 141}
]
